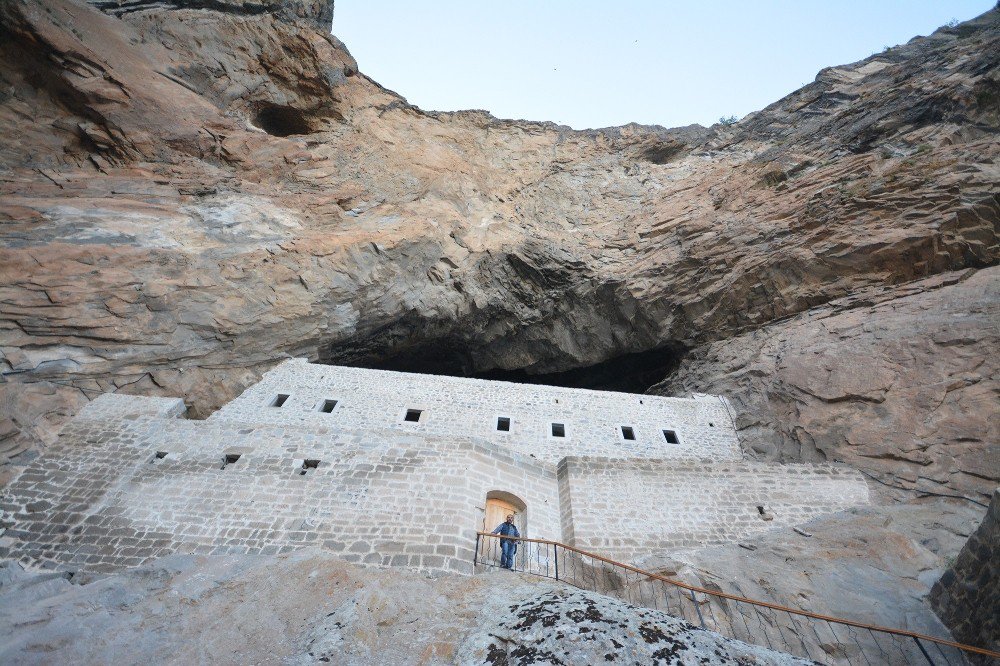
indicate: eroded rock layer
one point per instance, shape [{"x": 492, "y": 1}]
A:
[{"x": 194, "y": 190}]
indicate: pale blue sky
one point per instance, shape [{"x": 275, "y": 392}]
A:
[{"x": 597, "y": 64}]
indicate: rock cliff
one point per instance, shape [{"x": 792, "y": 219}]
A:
[
  {"x": 874, "y": 564},
  {"x": 193, "y": 190}
]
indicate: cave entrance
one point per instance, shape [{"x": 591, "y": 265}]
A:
[
  {"x": 628, "y": 373},
  {"x": 282, "y": 120}
]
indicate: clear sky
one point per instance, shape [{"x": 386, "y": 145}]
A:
[{"x": 586, "y": 63}]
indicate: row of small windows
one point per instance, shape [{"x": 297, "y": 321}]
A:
[{"x": 558, "y": 430}]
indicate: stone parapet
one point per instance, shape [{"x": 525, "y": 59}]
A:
[
  {"x": 120, "y": 405},
  {"x": 967, "y": 597},
  {"x": 627, "y": 509}
]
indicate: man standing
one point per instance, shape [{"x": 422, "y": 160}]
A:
[{"x": 508, "y": 546}]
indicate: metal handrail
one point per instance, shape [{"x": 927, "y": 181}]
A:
[{"x": 917, "y": 636}]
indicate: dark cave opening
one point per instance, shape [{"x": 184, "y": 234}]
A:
[
  {"x": 662, "y": 153},
  {"x": 628, "y": 373},
  {"x": 282, "y": 121}
]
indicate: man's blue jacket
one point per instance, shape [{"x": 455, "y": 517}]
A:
[{"x": 506, "y": 529}]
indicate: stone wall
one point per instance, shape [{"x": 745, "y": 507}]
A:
[
  {"x": 127, "y": 481},
  {"x": 967, "y": 598},
  {"x": 627, "y": 509},
  {"x": 116, "y": 406},
  {"x": 463, "y": 407},
  {"x": 102, "y": 500}
]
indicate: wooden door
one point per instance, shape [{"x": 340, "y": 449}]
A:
[{"x": 496, "y": 513}]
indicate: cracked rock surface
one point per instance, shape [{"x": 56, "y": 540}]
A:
[
  {"x": 309, "y": 608},
  {"x": 573, "y": 627},
  {"x": 823, "y": 385}
]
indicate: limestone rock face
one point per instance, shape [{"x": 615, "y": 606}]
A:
[
  {"x": 192, "y": 191},
  {"x": 826, "y": 384}
]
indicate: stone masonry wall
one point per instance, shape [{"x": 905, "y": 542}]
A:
[
  {"x": 128, "y": 482},
  {"x": 102, "y": 500},
  {"x": 463, "y": 407},
  {"x": 967, "y": 598},
  {"x": 627, "y": 509}
]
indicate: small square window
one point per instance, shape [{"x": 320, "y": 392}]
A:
[
  {"x": 308, "y": 465},
  {"x": 671, "y": 437},
  {"x": 413, "y": 415},
  {"x": 558, "y": 430},
  {"x": 327, "y": 406},
  {"x": 628, "y": 433},
  {"x": 229, "y": 459},
  {"x": 503, "y": 424},
  {"x": 279, "y": 400}
]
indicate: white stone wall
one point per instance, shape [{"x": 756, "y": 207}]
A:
[
  {"x": 462, "y": 407},
  {"x": 121, "y": 405},
  {"x": 102, "y": 500},
  {"x": 627, "y": 509},
  {"x": 128, "y": 482}
]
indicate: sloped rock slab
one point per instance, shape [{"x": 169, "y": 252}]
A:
[{"x": 577, "y": 627}]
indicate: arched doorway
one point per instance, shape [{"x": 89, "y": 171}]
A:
[{"x": 499, "y": 504}]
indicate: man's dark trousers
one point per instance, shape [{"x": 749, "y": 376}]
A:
[{"x": 508, "y": 548}]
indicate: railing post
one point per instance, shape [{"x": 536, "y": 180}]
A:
[
  {"x": 475, "y": 554},
  {"x": 921, "y": 646},
  {"x": 697, "y": 607},
  {"x": 555, "y": 553}
]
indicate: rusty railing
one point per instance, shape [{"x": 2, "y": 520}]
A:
[{"x": 822, "y": 638}]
